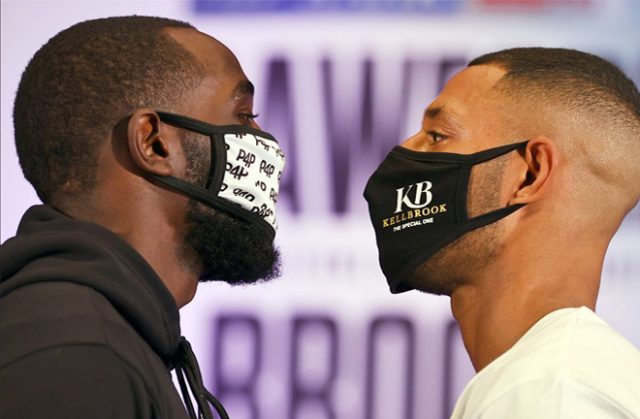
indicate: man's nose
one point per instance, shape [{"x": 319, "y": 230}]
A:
[{"x": 412, "y": 143}]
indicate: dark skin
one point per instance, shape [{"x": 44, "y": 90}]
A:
[{"x": 149, "y": 217}]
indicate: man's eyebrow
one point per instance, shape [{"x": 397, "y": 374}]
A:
[
  {"x": 445, "y": 116},
  {"x": 432, "y": 112},
  {"x": 242, "y": 89}
]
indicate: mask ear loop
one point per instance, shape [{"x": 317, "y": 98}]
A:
[
  {"x": 466, "y": 166},
  {"x": 212, "y": 162}
]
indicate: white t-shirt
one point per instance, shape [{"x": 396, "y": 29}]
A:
[{"x": 570, "y": 364}]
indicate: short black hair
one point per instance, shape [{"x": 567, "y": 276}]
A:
[
  {"x": 85, "y": 80},
  {"x": 572, "y": 77}
]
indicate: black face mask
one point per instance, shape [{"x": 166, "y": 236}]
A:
[{"x": 418, "y": 205}]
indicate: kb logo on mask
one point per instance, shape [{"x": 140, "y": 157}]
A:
[
  {"x": 413, "y": 205},
  {"x": 421, "y": 198}
]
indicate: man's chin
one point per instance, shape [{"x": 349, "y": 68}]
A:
[
  {"x": 434, "y": 286},
  {"x": 230, "y": 249},
  {"x": 246, "y": 272},
  {"x": 444, "y": 271}
]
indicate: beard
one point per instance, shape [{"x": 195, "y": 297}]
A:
[
  {"x": 457, "y": 263},
  {"x": 228, "y": 249}
]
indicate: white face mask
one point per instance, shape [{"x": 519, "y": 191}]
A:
[
  {"x": 252, "y": 175},
  {"x": 244, "y": 177}
]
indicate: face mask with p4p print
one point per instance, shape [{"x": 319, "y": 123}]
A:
[
  {"x": 244, "y": 175},
  {"x": 418, "y": 205}
]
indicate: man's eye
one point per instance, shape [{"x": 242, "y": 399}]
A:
[
  {"x": 435, "y": 136},
  {"x": 248, "y": 116}
]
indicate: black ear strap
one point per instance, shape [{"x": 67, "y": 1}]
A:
[
  {"x": 206, "y": 197},
  {"x": 204, "y": 128},
  {"x": 442, "y": 157}
]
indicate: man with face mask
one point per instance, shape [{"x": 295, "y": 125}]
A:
[
  {"x": 138, "y": 135},
  {"x": 506, "y": 201}
]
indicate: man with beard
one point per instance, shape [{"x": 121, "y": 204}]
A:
[
  {"x": 506, "y": 201},
  {"x": 138, "y": 135}
]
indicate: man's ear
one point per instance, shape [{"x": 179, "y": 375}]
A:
[
  {"x": 149, "y": 149},
  {"x": 540, "y": 158}
]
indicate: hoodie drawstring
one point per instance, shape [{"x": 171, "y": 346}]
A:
[{"x": 190, "y": 378}]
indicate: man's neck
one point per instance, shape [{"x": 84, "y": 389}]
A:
[{"x": 500, "y": 305}]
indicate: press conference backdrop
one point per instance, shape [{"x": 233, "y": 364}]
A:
[{"x": 340, "y": 83}]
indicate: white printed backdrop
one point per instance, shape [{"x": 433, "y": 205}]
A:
[{"x": 339, "y": 88}]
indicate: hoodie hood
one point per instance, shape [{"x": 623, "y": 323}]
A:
[{"x": 51, "y": 247}]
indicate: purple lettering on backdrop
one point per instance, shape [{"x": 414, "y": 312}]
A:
[
  {"x": 377, "y": 329},
  {"x": 358, "y": 141},
  {"x": 303, "y": 390},
  {"x": 236, "y": 385}
]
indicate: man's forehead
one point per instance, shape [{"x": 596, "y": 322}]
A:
[
  {"x": 223, "y": 85},
  {"x": 210, "y": 52},
  {"x": 467, "y": 91}
]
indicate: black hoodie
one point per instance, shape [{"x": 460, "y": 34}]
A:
[{"x": 87, "y": 328}]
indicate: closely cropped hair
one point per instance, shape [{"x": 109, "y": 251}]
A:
[
  {"x": 81, "y": 83},
  {"x": 574, "y": 78},
  {"x": 603, "y": 105}
]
